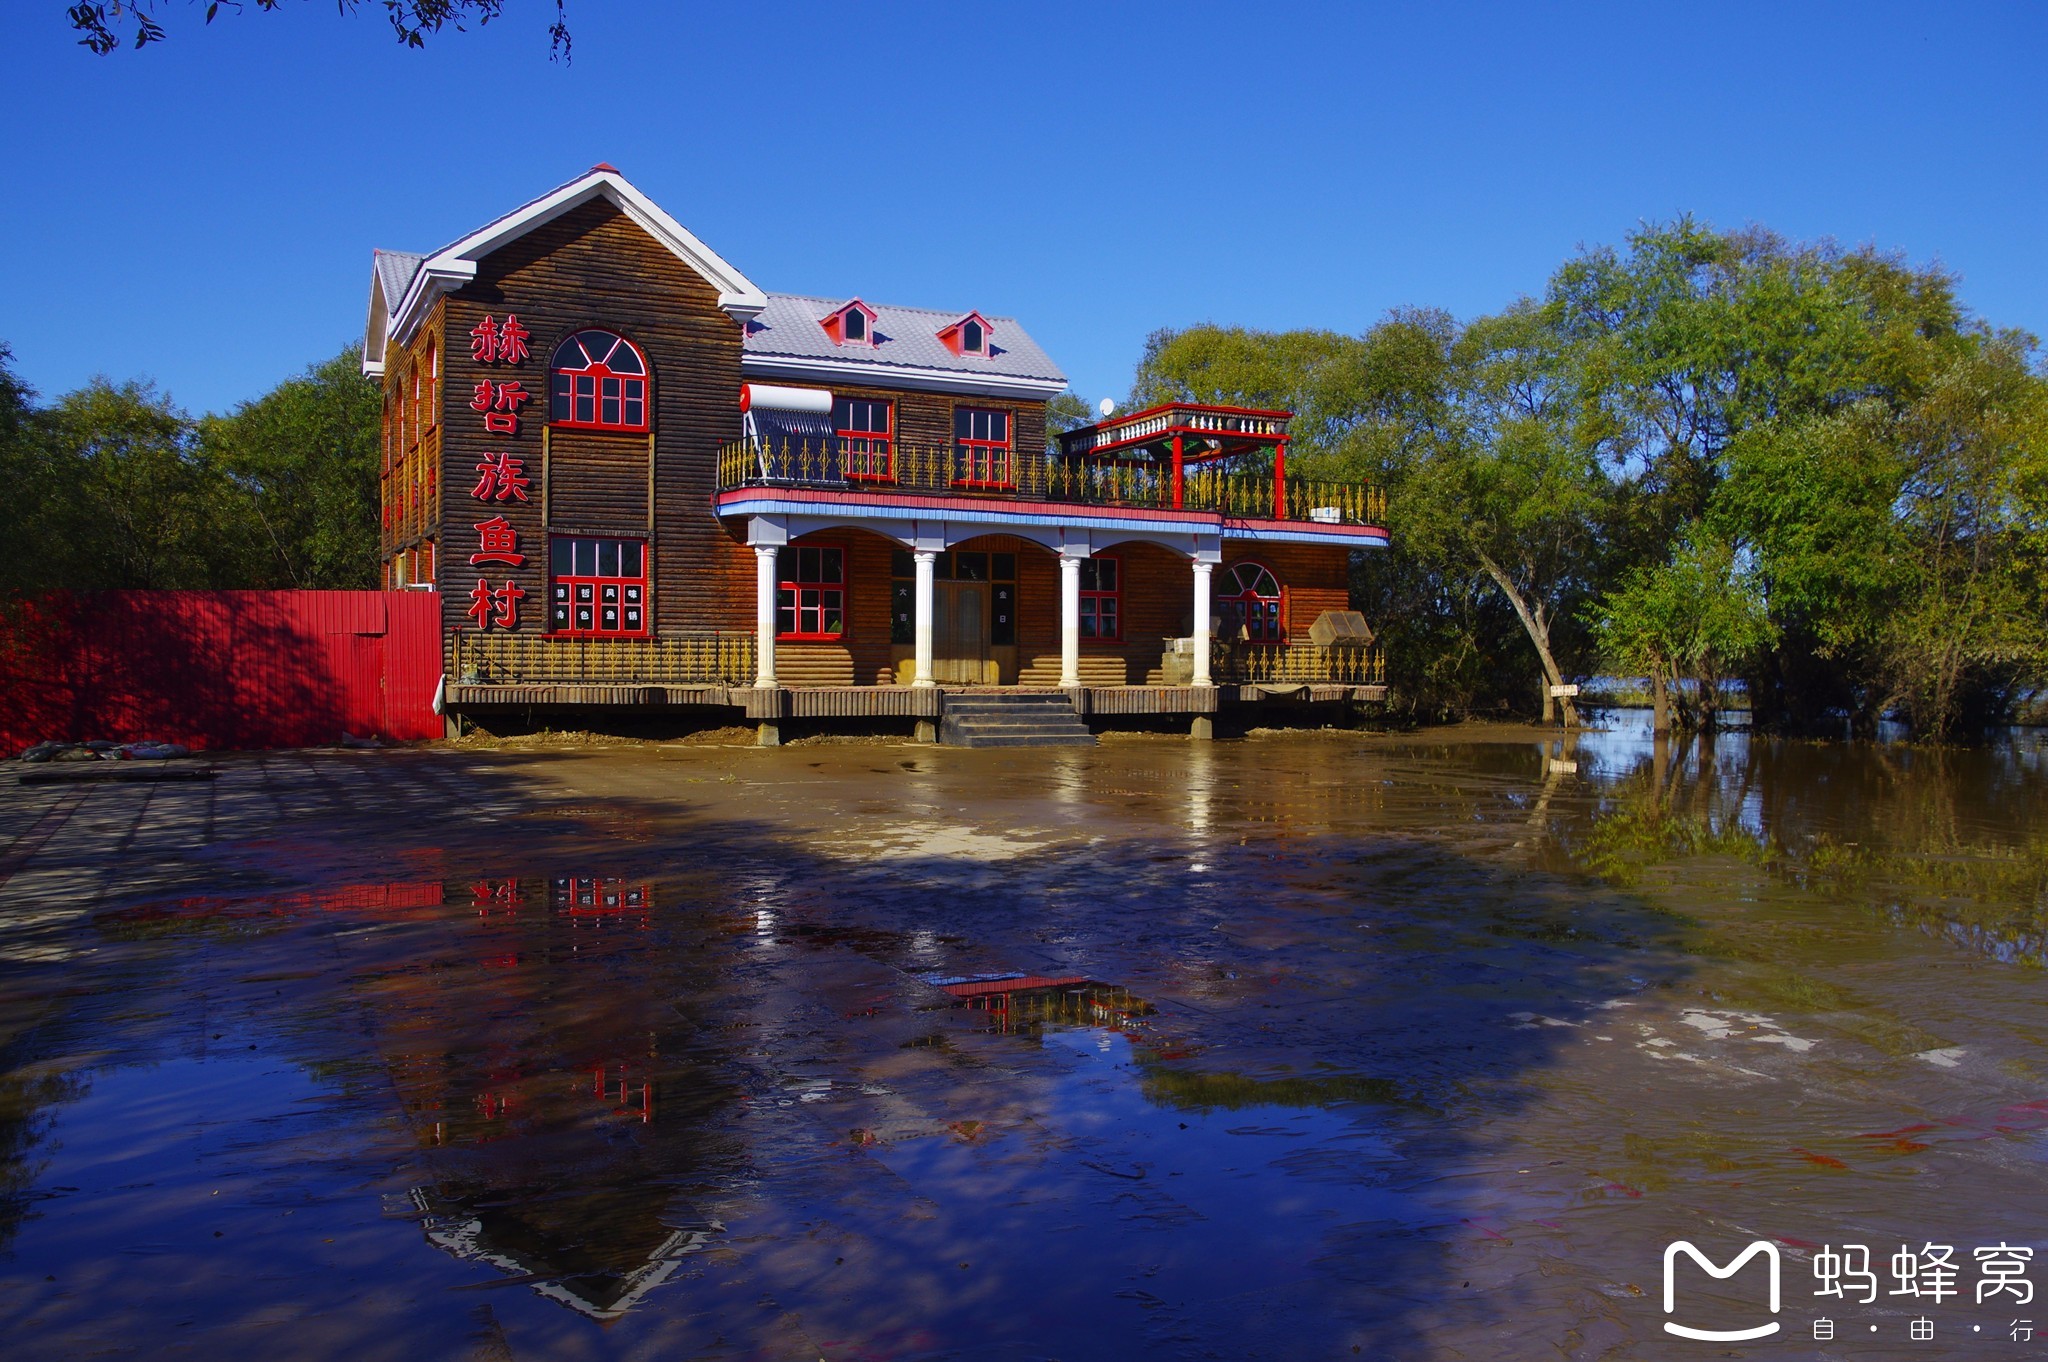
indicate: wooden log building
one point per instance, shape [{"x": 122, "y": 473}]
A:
[{"x": 640, "y": 482}]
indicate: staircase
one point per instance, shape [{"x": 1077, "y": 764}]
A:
[{"x": 1012, "y": 719}]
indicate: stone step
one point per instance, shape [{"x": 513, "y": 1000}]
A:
[
  {"x": 1083, "y": 739},
  {"x": 1012, "y": 720}
]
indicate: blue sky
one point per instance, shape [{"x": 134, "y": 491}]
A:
[{"x": 202, "y": 212}]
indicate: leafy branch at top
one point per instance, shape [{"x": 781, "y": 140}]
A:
[{"x": 103, "y": 27}]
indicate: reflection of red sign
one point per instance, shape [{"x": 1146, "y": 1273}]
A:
[
  {"x": 603, "y": 1090},
  {"x": 593, "y": 897},
  {"x": 495, "y": 896},
  {"x": 500, "y": 477},
  {"x": 497, "y": 542},
  {"x": 497, "y": 605}
]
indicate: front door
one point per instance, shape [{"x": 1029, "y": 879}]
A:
[{"x": 960, "y": 632}]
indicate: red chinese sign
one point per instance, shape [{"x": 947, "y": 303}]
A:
[
  {"x": 500, "y": 404},
  {"x": 492, "y": 343},
  {"x": 496, "y": 606},
  {"x": 501, "y": 477},
  {"x": 497, "y": 542}
]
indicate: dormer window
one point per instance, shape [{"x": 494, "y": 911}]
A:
[
  {"x": 853, "y": 324},
  {"x": 968, "y": 336}
]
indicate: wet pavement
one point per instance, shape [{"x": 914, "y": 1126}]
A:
[{"x": 1299, "y": 1046}]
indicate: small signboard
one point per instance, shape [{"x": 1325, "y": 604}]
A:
[{"x": 1563, "y": 692}]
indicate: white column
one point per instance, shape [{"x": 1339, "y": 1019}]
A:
[
  {"x": 1070, "y": 620},
  {"x": 764, "y": 614},
  {"x": 1202, "y": 571},
  {"x": 921, "y": 617}
]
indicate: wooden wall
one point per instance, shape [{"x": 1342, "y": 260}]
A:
[
  {"x": 593, "y": 267},
  {"x": 409, "y": 465}
]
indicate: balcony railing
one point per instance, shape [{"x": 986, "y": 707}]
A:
[
  {"x": 1249, "y": 494},
  {"x": 1287, "y": 663},
  {"x": 495, "y": 659}
]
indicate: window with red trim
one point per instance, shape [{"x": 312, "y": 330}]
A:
[
  {"x": 1102, "y": 599},
  {"x": 810, "y": 595},
  {"x": 599, "y": 587},
  {"x": 865, "y": 430},
  {"x": 598, "y": 380},
  {"x": 1248, "y": 595},
  {"x": 981, "y": 444}
]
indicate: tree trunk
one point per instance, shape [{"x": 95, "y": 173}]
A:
[
  {"x": 1538, "y": 630},
  {"x": 1660, "y": 704},
  {"x": 1544, "y": 701}
]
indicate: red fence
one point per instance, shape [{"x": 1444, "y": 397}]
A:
[{"x": 220, "y": 669}]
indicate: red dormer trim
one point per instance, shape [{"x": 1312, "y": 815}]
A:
[
  {"x": 861, "y": 332},
  {"x": 957, "y": 336}
]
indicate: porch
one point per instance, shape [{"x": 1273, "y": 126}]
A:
[{"x": 717, "y": 670}]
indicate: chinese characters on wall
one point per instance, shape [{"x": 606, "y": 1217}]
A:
[{"x": 501, "y": 475}]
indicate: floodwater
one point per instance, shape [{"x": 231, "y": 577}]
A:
[{"x": 1299, "y": 1046}]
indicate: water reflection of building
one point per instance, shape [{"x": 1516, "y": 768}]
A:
[
  {"x": 561, "y": 1088},
  {"x": 1028, "y": 1003}
]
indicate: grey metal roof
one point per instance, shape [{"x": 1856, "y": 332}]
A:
[
  {"x": 395, "y": 270},
  {"x": 905, "y": 338}
]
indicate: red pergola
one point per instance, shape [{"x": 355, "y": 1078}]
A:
[{"x": 1185, "y": 433}]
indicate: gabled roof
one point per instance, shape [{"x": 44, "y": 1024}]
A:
[
  {"x": 455, "y": 264},
  {"x": 785, "y": 340},
  {"x": 391, "y": 274}
]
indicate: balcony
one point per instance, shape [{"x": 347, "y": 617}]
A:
[{"x": 1264, "y": 490}]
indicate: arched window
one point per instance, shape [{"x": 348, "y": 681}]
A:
[
  {"x": 598, "y": 379},
  {"x": 1248, "y": 599}
]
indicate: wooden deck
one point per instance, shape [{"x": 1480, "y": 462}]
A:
[{"x": 876, "y": 702}]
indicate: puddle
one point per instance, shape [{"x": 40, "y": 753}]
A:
[{"x": 1290, "y": 1048}]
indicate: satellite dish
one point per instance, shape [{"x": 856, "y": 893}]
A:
[{"x": 1108, "y": 405}]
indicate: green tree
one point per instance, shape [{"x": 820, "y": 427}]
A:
[
  {"x": 1068, "y": 411},
  {"x": 141, "y": 507},
  {"x": 1701, "y": 616},
  {"x": 302, "y": 460}
]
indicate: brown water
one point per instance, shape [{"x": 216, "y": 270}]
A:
[{"x": 1311, "y": 1046}]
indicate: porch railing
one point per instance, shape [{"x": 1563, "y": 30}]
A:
[
  {"x": 1251, "y": 663},
  {"x": 521, "y": 659},
  {"x": 1246, "y": 493}
]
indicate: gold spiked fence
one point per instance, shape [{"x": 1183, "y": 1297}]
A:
[
  {"x": 1243, "y": 493},
  {"x": 1253, "y": 663},
  {"x": 522, "y": 659}
]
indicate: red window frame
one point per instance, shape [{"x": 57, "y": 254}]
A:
[
  {"x": 980, "y": 458},
  {"x": 587, "y": 601},
  {"x": 1264, "y": 617},
  {"x": 867, "y": 453},
  {"x": 1100, "y": 603},
  {"x": 590, "y": 389},
  {"x": 811, "y": 587}
]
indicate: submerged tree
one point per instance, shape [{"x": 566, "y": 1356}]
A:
[{"x": 1701, "y": 616}]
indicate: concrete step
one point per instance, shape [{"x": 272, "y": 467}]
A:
[
  {"x": 1012, "y": 720},
  {"x": 1083, "y": 739}
]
